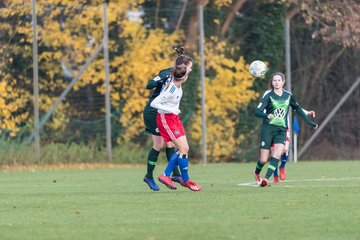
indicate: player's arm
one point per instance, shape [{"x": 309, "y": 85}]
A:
[
  {"x": 309, "y": 113},
  {"x": 295, "y": 105},
  {"x": 259, "y": 111},
  {"x": 159, "y": 102},
  {"x": 158, "y": 80}
]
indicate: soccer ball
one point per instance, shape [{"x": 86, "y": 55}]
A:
[{"x": 257, "y": 68}]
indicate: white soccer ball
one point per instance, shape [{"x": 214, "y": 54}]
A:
[{"x": 258, "y": 68}]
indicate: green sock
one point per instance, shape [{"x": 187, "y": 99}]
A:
[
  {"x": 151, "y": 163},
  {"x": 272, "y": 166},
  {"x": 169, "y": 153},
  {"x": 259, "y": 166}
]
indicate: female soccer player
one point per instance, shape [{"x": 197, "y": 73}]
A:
[
  {"x": 172, "y": 130},
  {"x": 274, "y": 108},
  {"x": 159, "y": 83}
]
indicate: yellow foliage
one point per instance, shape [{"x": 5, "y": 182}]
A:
[
  {"x": 222, "y": 3},
  {"x": 228, "y": 89},
  {"x": 69, "y": 32}
]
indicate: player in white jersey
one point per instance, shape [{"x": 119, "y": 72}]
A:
[
  {"x": 159, "y": 84},
  {"x": 172, "y": 130}
]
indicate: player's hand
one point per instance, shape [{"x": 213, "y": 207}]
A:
[
  {"x": 312, "y": 114},
  {"x": 270, "y": 116}
]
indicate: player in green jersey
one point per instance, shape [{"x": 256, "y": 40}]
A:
[
  {"x": 273, "y": 109},
  {"x": 158, "y": 84}
]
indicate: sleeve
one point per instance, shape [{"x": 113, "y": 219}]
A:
[
  {"x": 306, "y": 112},
  {"x": 259, "y": 111},
  {"x": 295, "y": 105},
  {"x": 155, "y": 82},
  {"x": 159, "y": 101}
]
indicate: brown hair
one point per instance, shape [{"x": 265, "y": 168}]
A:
[
  {"x": 272, "y": 77},
  {"x": 182, "y": 57},
  {"x": 179, "y": 72}
]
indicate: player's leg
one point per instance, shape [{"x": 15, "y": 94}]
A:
[
  {"x": 149, "y": 115},
  {"x": 279, "y": 139},
  {"x": 153, "y": 155},
  {"x": 165, "y": 122},
  {"x": 276, "y": 175},
  {"x": 170, "y": 152},
  {"x": 183, "y": 160},
  {"x": 284, "y": 159},
  {"x": 285, "y": 156},
  {"x": 265, "y": 145}
]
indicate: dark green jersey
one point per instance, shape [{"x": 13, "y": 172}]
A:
[
  {"x": 279, "y": 107},
  {"x": 159, "y": 83}
]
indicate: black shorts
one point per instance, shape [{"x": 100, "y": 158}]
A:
[
  {"x": 149, "y": 115},
  {"x": 271, "y": 134}
]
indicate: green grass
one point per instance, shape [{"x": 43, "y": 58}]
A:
[
  {"x": 57, "y": 153},
  {"x": 320, "y": 200}
]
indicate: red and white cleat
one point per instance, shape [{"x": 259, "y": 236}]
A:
[
  {"x": 276, "y": 180},
  {"x": 282, "y": 174},
  {"x": 193, "y": 186},
  {"x": 167, "y": 181}
]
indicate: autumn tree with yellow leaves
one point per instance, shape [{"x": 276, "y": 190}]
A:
[{"x": 68, "y": 34}]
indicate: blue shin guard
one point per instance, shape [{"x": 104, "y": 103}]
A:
[
  {"x": 173, "y": 162},
  {"x": 184, "y": 167}
]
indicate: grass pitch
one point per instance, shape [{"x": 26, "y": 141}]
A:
[{"x": 319, "y": 200}]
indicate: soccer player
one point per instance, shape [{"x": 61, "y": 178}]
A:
[
  {"x": 273, "y": 109},
  {"x": 159, "y": 83},
  {"x": 172, "y": 130}
]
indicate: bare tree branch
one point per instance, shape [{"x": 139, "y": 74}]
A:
[
  {"x": 234, "y": 8},
  {"x": 181, "y": 15}
]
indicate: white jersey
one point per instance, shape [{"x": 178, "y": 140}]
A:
[{"x": 169, "y": 100}]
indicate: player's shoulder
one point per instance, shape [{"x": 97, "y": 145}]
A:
[
  {"x": 165, "y": 72},
  {"x": 267, "y": 93},
  {"x": 287, "y": 92}
]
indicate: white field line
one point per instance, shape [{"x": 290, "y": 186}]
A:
[{"x": 284, "y": 183}]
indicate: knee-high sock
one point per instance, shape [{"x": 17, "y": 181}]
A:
[
  {"x": 284, "y": 158},
  {"x": 184, "y": 167},
  {"x": 272, "y": 166},
  {"x": 259, "y": 166},
  {"x": 173, "y": 162},
  {"x": 169, "y": 153},
  {"x": 276, "y": 172},
  {"x": 151, "y": 163}
]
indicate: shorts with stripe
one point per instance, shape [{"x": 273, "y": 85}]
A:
[{"x": 170, "y": 126}]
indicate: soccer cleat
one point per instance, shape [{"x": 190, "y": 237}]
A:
[
  {"x": 282, "y": 174},
  {"x": 193, "y": 186},
  {"x": 176, "y": 178},
  {"x": 151, "y": 183},
  {"x": 257, "y": 178},
  {"x": 276, "y": 180},
  {"x": 167, "y": 181},
  {"x": 264, "y": 183}
]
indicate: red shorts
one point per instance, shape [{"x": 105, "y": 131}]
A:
[{"x": 170, "y": 126}]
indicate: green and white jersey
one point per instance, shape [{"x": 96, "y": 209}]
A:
[{"x": 271, "y": 103}]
